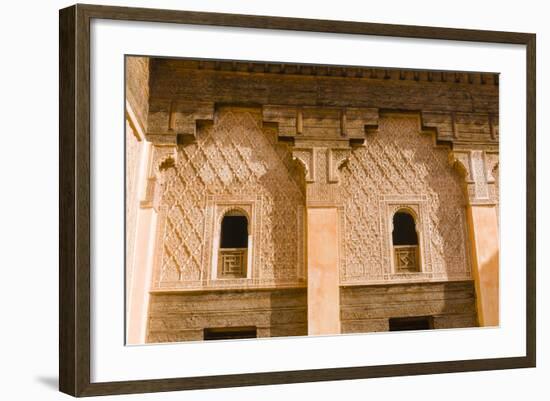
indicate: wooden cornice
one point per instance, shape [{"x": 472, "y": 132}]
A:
[{"x": 336, "y": 71}]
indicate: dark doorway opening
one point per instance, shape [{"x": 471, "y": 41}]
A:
[
  {"x": 230, "y": 333},
  {"x": 411, "y": 323}
]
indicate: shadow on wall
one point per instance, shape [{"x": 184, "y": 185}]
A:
[{"x": 50, "y": 382}]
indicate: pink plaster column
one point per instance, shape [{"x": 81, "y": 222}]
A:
[
  {"x": 323, "y": 291},
  {"x": 138, "y": 305},
  {"x": 145, "y": 241},
  {"x": 477, "y": 167},
  {"x": 322, "y": 140},
  {"x": 484, "y": 237}
]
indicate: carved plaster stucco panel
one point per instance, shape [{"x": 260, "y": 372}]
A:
[
  {"x": 162, "y": 158},
  {"x": 306, "y": 157},
  {"x": 402, "y": 164},
  {"x": 480, "y": 171},
  {"x": 234, "y": 158}
]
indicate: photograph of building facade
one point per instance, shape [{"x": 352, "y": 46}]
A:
[{"x": 270, "y": 199}]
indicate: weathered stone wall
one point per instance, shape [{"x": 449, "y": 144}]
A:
[
  {"x": 137, "y": 87},
  {"x": 184, "y": 316},
  {"x": 368, "y": 308}
]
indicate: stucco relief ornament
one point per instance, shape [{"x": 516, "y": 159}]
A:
[
  {"x": 306, "y": 159},
  {"x": 164, "y": 157},
  {"x": 233, "y": 164},
  {"x": 477, "y": 167},
  {"x": 337, "y": 158}
]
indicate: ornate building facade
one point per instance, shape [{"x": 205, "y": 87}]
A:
[{"x": 281, "y": 199}]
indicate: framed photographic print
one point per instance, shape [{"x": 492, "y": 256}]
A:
[{"x": 250, "y": 200}]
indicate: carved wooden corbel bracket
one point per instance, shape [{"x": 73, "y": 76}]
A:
[
  {"x": 175, "y": 121},
  {"x": 170, "y": 123},
  {"x": 462, "y": 128},
  {"x": 321, "y": 139},
  {"x": 321, "y": 123}
]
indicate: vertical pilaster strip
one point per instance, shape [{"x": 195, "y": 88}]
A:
[
  {"x": 141, "y": 281},
  {"x": 484, "y": 238},
  {"x": 322, "y": 139},
  {"x": 323, "y": 291},
  {"x": 483, "y": 231},
  {"x": 145, "y": 240},
  {"x": 140, "y": 262}
]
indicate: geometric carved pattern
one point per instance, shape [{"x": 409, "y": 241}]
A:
[
  {"x": 479, "y": 174},
  {"x": 399, "y": 165},
  {"x": 233, "y": 158},
  {"x": 406, "y": 258},
  {"x": 232, "y": 262}
]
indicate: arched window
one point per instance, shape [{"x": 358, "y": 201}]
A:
[
  {"x": 404, "y": 229},
  {"x": 405, "y": 243},
  {"x": 234, "y": 232},
  {"x": 233, "y": 250}
]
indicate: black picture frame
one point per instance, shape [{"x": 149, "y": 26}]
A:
[{"x": 74, "y": 199}]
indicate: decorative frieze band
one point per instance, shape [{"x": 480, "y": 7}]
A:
[
  {"x": 321, "y": 139},
  {"x": 293, "y": 69}
]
